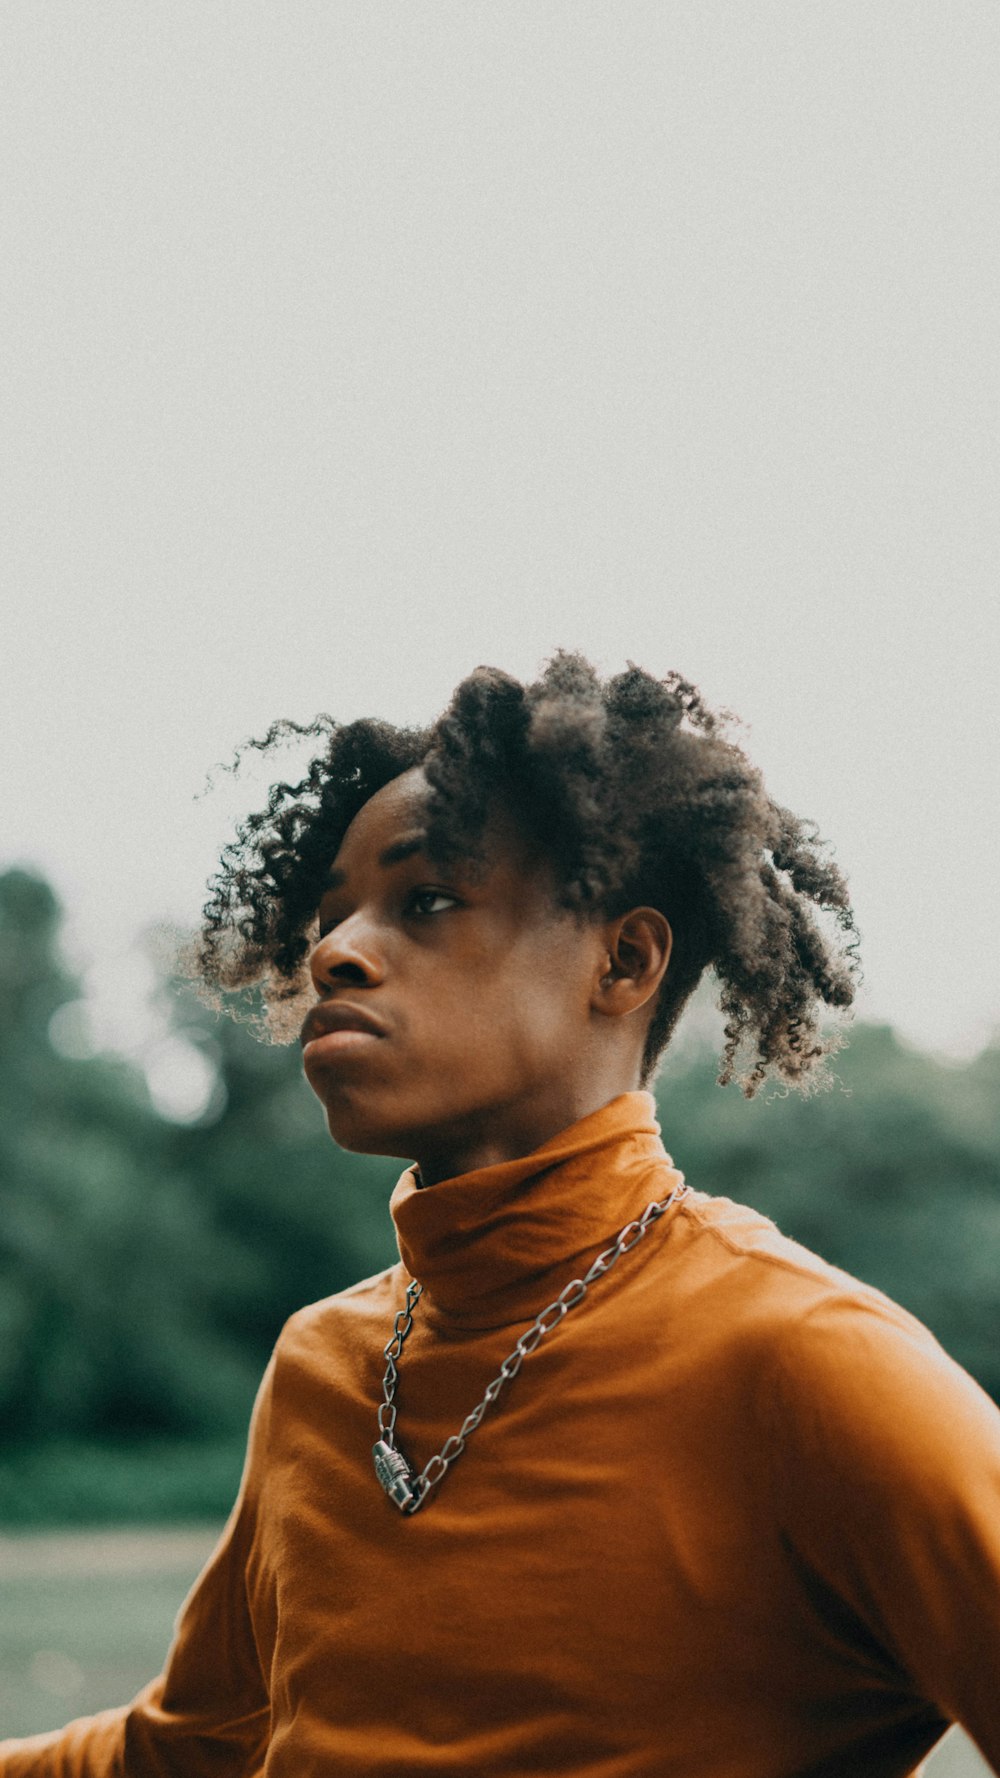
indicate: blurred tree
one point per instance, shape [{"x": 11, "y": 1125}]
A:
[
  {"x": 106, "y": 1323},
  {"x": 147, "y": 1264},
  {"x": 308, "y": 1218}
]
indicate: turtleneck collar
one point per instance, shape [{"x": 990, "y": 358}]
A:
[{"x": 484, "y": 1243}]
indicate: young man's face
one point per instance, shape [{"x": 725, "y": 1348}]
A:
[{"x": 480, "y": 992}]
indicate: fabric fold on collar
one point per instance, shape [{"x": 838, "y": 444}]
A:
[{"x": 484, "y": 1244}]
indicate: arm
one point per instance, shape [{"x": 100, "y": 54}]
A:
[
  {"x": 212, "y": 1694},
  {"x": 887, "y": 1471}
]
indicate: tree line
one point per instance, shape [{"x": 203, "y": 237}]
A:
[{"x": 147, "y": 1265}]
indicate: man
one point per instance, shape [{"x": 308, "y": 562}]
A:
[{"x": 606, "y": 1476}]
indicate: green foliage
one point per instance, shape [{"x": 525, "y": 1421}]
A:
[
  {"x": 146, "y": 1266},
  {"x": 306, "y": 1218},
  {"x": 90, "y": 1482},
  {"x": 106, "y": 1257}
]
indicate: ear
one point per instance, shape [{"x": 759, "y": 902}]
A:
[{"x": 636, "y": 952}]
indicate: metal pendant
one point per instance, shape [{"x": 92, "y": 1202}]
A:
[{"x": 394, "y": 1473}]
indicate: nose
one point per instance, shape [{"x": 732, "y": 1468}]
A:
[{"x": 348, "y": 952}]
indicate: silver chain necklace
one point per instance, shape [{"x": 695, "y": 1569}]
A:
[{"x": 409, "y": 1491}]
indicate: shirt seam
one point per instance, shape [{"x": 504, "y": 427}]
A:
[{"x": 868, "y": 1296}]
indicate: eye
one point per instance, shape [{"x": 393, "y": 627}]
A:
[
  {"x": 420, "y": 902},
  {"x": 416, "y": 903}
]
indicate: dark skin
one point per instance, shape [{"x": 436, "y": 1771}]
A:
[{"x": 506, "y": 1019}]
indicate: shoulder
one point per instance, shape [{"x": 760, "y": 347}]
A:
[
  {"x": 344, "y": 1323},
  {"x": 755, "y": 1245},
  {"x": 878, "y": 1453},
  {"x": 858, "y": 1401},
  {"x": 766, "y": 1281},
  {"x": 863, "y": 1387},
  {"x": 834, "y": 1360}
]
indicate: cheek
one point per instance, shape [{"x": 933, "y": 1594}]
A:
[{"x": 543, "y": 986}]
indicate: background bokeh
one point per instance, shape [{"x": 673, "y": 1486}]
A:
[{"x": 342, "y": 348}]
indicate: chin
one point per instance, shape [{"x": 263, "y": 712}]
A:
[
  {"x": 353, "y": 1116},
  {"x": 386, "y": 1120},
  {"x": 357, "y": 1133}
]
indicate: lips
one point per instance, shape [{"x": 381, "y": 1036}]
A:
[{"x": 337, "y": 1015}]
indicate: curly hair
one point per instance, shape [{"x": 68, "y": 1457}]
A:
[{"x": 635, "y": 795}]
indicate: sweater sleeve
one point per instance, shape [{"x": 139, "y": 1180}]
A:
[
  {"x": 887, "y": 1467},
  {"x": 208, "y": 1712}
]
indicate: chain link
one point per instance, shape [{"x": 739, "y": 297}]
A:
[{"x": 550, "y": 1317}]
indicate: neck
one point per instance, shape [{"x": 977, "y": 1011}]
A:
[
  {"x": 507, "y": 1133},
  {"x": 488, "y": 1244}
]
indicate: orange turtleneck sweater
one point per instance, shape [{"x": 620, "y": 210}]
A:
[{"x": 738, "y": 1516}]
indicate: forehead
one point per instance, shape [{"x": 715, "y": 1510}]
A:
[
  {"x": 396, "y": 811},
  {"x": 397, "y": 814}
]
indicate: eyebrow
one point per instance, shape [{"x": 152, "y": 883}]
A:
[{"x": 393, "y": 854}]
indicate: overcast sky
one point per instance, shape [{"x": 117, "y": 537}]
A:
[{"x": 348, "y": 346}]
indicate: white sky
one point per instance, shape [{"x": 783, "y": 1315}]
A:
[{"x": 347, "y": 346}]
